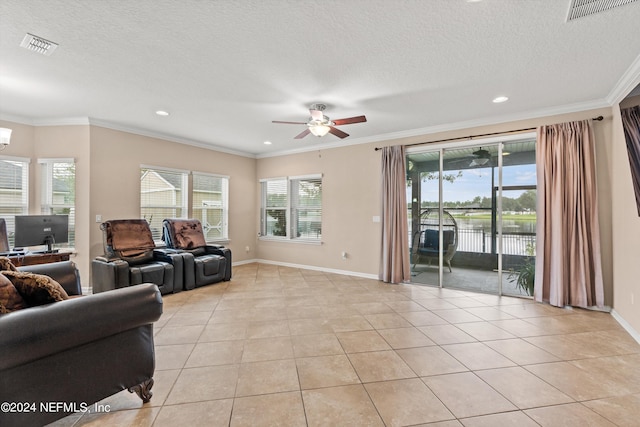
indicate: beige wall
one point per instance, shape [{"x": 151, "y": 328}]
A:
[
  {"x": 115, "y": 182},
  {"x": 22, "y": 145},
  {"x": 56, "y": 142},
  {"x": 68, "y": 142},
  {"x": 108, "y": 179},
  {"x": 108, "y": 163},
  {"x": 351, "y": 197},
  {"x": 626, "y": 227}
]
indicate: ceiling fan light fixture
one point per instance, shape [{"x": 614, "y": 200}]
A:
[
  {"x": 319, "y": 129},
  {"x": 481, "y": 161}
]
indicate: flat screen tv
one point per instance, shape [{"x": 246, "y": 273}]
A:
[{"x": 36, "y": 230}]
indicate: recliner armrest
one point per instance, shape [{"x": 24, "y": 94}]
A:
[
  {"x": 108, "y": 274},
  {"x": 36, "y": 332},
  {"x": 222, "y": 251},
  {"x": 180, "y": 260}
]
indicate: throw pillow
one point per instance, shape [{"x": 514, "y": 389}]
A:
[
  {"x": 10, "y": 299},
  {"x": 6, "y": 264},
  {"x": 36, "y": 289}
]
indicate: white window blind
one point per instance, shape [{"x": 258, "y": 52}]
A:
[
  {"x": 163, "y": 194},
  {"x": 59, "y": 192},
  {"x": 274, "y": 208},
  {"x": 306, "y": 208},
  {"x": 14, "y": 192},
  {"x": 292, "y": 208},
  {"x": 210, "y": 195}
]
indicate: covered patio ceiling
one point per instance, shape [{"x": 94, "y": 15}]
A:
[{"x": 514, "y": 153}]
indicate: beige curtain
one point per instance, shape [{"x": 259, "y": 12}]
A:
[
  {"x": 631, "y": 125},
  {"x": 568, "y": 267},
  {"x": 394, "y": 262}
]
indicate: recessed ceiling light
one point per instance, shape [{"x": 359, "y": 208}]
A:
[
  {"x": 267, "y": 143},
  {"x": 162, "y": 113},
  {"x": 500, "y": 99}
]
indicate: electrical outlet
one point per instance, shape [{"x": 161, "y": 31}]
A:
[{"x": 98, "y": 218}]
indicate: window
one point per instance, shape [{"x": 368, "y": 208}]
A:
[
  {"x": 274, "y": 207},
  {"x": 210, "y": 195},
  {"x": 14, "y": 191},
  {"x": 292, "y": 208},
  {"x": 163, "y": 194},
  {"x": 59, "y": 192}
]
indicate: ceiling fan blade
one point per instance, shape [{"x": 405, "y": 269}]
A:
[
  {"x": 350, "y": 120},
  {"x": 289, "y": 123},
  {"x": 316, "y": 114},
  {"x": 338, "y": 132},
  {"x": 303, "y": 134}
]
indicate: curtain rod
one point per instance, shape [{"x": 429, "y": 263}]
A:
[{"x": 599, "y": 118}]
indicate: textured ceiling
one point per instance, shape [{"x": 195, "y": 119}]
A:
[{"x": 225, "y": 69}]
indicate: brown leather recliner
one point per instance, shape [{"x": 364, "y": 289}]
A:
[
  {"x": 131, "y": 258},
  {"x": 211, "y": 263}
]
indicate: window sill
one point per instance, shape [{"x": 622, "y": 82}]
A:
[
  {"x": 285, "y": 240},
  {"x": 219, "y": 242}
]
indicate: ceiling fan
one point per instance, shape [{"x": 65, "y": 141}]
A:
[
  {"x": 478, "y": 158},
  {"x": 482, "y": 158},
  {"x": 319, "y": 124}
]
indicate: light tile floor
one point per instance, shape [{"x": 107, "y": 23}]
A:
[{"x": 290, "y": 347}]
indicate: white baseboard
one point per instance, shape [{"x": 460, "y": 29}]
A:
[
  {"x": 246, "y": 261},
  {"x": 310, "y": 267},
  {"x": 634, "y": 334}
]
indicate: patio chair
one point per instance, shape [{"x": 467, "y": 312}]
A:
[{"x": 426, "y": 240}]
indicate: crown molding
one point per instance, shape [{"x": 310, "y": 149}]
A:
[
  {"x": 68, "y": 121},
  {"x": 16, "y": 119},
  {"x": 627, "y": 82},
  {"x": 88, "y": 121},
  {"x": 625, "y": 85},
  {"x": 468, "y": 124},
  {"x": 170, "y": 138}
]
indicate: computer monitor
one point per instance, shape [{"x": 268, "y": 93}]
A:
[{"x": 36, "y": 230}]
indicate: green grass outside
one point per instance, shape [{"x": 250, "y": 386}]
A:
[{"x": 510, "y": 217}]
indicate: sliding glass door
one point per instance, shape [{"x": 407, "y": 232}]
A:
[{"x": 472, "y": 215}]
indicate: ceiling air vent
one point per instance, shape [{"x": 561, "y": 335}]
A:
[
  {"x": 581, "y": 8},
  {"x": 38, "y": 44}
]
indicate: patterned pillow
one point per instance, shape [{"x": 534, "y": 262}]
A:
[
  {"x": 36, "y": 289},
  {"x": 10, "y": 299},
  {"x": 6, "y": 264}
]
